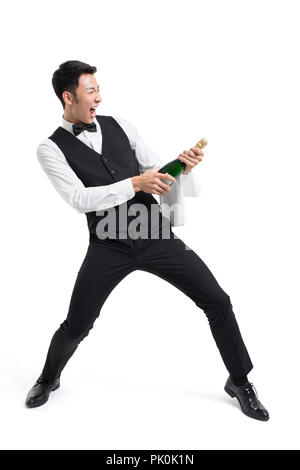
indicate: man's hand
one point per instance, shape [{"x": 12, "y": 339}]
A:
[
  {"x": 191, "y": 157},
  {"x": 151, "y": 182}
]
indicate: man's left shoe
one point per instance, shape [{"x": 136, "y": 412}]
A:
[{"x": 248, "y": 399}]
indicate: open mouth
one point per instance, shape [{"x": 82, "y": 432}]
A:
[{"x": 92, "y": 112}]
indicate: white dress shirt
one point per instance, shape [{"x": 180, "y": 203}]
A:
[{"x": 89, "y": 199}]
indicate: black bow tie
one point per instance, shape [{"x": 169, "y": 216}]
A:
[{"x": 77, "y": 128}]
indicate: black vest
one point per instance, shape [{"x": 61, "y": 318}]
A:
[{"x": 117, "y": 162}]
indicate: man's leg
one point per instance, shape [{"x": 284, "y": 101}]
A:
[
  {"x": 184, "y": 269},
  {"x": 105, "y": 265}
]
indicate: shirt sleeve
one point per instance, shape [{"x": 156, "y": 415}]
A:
[
  {"x": 145, "y": 155},
  {"x": 71, "y": 188},
  {"x": 148, "y": 158}
]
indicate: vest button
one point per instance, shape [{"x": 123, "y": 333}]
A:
[
  {"x": 113, "y": 171},
  {"x": 105, "y": 159}
]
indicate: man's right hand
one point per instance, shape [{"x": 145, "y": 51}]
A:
[{"x": 151, "y": 182}]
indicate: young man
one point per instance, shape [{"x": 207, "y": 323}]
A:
[{"x": 101, "y": 167}]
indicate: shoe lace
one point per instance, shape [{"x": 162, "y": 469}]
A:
[
  {"x": 250, "y": 390},
  {"x": 253, "y": 396}
]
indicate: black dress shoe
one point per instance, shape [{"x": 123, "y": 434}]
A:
[
  {"x": 248, "y": 399},
  {"x": 39, "y": 393}
]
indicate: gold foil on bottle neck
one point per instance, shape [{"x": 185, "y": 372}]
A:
[{"x": 201, "y": 143}]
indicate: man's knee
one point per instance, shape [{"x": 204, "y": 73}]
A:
[
  {"x": 224, "y": 301},
  {"x": 219, "y": 305},
  {"x": 74, "y": 333}
]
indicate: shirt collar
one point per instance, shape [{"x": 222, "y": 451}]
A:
[{"x": 69, "y": 125}]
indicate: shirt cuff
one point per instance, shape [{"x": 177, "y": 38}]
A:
[
  {"x": 190, "y": 185},
  {"x": 123, "y": 191}
]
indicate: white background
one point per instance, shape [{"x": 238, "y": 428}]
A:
[{"x": 149, "y": 375}]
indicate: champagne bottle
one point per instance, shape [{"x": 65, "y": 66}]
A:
[{"x": 175, "y": 167}]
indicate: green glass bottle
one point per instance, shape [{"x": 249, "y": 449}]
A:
[{"x": 174, "y": 168}]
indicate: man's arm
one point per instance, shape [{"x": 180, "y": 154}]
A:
[
  {"x": 71, "y": 188},
  {"x": 147, "y": 159},
  {"x": 186, "y": 185}
]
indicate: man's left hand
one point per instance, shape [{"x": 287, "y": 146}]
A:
[{"x": 191, "y": 158}]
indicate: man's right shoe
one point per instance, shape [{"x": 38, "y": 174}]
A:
[{"x": 39, "y": 393}]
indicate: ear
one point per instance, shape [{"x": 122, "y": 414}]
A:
[{"x": 67, "y": 97}]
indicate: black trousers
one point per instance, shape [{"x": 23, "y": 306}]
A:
[{"x": 108, "y": 261}]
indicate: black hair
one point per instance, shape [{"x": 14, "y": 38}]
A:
[{"x": 66, "y": 77}]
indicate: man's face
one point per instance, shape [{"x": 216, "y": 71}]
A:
[{"x": 82, "y": 107}]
